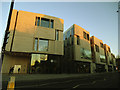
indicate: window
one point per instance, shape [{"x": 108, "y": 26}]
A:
[
  {"x": 45, "y": 22},
  {"x": 85, "y": 54},
  {"x": 8, "y": 34},
  {"x": 51, "y": 24},
  {"x": 57, "y": 35},
  {"x": 37, "y": 22},
  {"x": 37, "y": 58},
  {"x": 108, "y": 49},
  {"x": 43, "y": 45},
  {"x": 72, "y": 31},
  {"x": 63, "y": 36},
  {"x": 101, "y": 45},
  {"x": 88, "y": 37},
  {"x": 68, "y": 34},
  {"x": 36, "y": 44},
  {"x": 78, "y": 40},
  {"x": 97, "y": 48},
  {"x": 102, "y": 58},
  {"x": 84, "y": 34}
]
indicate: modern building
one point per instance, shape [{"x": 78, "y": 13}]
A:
[
  {"x": 113, "y": 61},
  {"x": 98, "y": 54},
  {"x": 34, "y": 43},
  {"x": 108, "y": 57},
  {"x": 77, "y": 50}
]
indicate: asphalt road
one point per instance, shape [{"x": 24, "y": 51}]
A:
[{"x": 102, "y": 80}]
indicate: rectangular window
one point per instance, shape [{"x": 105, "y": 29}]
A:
[
  {"x": 86, "y": 54},
  {"x": 97, "y": 48},
  {"x": 88, "y": 37},
  {"x": 37, "y": 21},
  {"x": 63, "y": 36},
  {"x": 101, "y": 45},
  {"x": 108, "y": 49},
  {"x": 51, "y": 24},
  {"x": 72, "y": 31},
  {"x": 68, "y": 34},
  {"x": 84, "y": 34},
  {"x": 43, "y": 45},
  {"x": 102, "y": 58},
  {"x": 57, "y": 35},
  {"x": 78, "y": 40},
  {"x": 36, "y": 44},
  {"x": 45, "y": 22}
]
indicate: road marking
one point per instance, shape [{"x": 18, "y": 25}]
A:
[{"x": 76, "y": 86}]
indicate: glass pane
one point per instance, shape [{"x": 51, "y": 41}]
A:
[
  {"x": 35, "y": 59},
  {"x": 57, "y": 36},
  {"x": 78, "y": 40},
  {"x": 38, "y": 21},
  {"x": 102, "y": 58},
  {"x": 68, "y": 34},
  {"x": 43, "y": 45},
  {"x": 35, "y": 45},
  {"x": 43, "y": 57},
  {"x": 72, "y": 31},
  {"x": 87, "y": 36},
  {"x": 86, "y": 54},
  {"x": 84, "y": 34},
  {"x": 63, "y": 36},
  {"x": 51, "y": 24},
  {"x": 45, "y": 22}
]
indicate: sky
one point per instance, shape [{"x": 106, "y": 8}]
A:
[{"x": 99, "y": 18}]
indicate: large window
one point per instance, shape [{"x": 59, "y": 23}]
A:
[
  {"x": 37, "y": 58},
  {"x": 43, "y": 45},
  {"x": 102, "y": 58},
  {"x": 85, "y": 54},
  {"x": 44, "y": 22}
]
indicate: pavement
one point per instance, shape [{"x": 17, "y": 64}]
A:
[{"x": 65, "y": 81}]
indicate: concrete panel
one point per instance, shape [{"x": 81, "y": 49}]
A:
[
  {"x": 42, "y": 32},
  {"x": 22, "y": 44},
  {"x": 59, "y": 47},
  {"x": 11, "y": 60},
  {"x": 51, "y": 47}
]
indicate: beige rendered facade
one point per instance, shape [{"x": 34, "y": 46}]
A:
[
  {"x": 98, "y": 54},
  {"x": 108, "y": 57},
  {"x": 77, "y": 50},
  {"x": 33, "y": 39}
]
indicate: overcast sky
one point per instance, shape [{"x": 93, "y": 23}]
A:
[{"x": 99, "y": 18}]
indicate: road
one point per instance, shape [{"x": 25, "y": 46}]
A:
[{"x": 102, "y": 80}]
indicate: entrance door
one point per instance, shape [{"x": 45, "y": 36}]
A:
[{"x": 16, "y": 67}]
